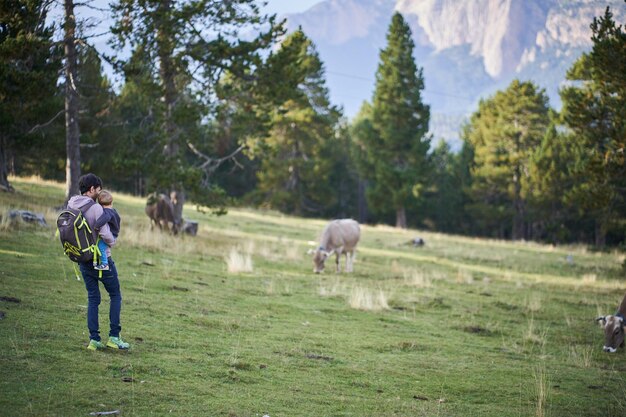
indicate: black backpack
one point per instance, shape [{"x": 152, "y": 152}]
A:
[{"x": 77, "y": 238}]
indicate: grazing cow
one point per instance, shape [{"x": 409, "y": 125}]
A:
[
  {"x": 160, "y": 210},
  {"x": 339, "y": 236},
  {"x": 614, "y": 328}
]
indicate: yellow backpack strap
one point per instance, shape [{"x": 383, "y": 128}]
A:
[
  {"x": 76, "y": 270},
  {"x": 97, "y": 255}
]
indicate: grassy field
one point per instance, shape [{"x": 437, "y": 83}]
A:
[{"x": 234, "y": 323}]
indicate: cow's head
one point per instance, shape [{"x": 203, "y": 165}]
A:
[
  {"x": 319, "y": 257},
  {"x": 174, "y": 197},
  {"x": 613, "y": 332}
]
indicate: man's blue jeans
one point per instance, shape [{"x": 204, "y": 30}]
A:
[{"x": 112, "y": 285}]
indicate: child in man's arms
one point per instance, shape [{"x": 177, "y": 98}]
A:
[{"x": 111, "y": 217}]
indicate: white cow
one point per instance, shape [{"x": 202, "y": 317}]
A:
[{"x": 339, "y": 236}]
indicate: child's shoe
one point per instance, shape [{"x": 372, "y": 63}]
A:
[
  {"x": 95, "y": 345},
  {"x": 101, "y": 267},
  {"x": 117, "y": 343}
]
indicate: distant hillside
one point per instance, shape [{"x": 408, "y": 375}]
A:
[{"x": 468, "y": 48}]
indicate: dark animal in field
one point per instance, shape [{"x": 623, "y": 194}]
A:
[
  {"x": 190, "y": 227},
  {"x": 614, "y": 328},
  {"x": 339, "y": 236},
  {"x": 160, "y": 210},
  {"x": 418, "y": 241}
]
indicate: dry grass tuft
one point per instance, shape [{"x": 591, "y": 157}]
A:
[
  {"x": 589, "y": 279},
  {"x": 369, "y": 300},
  {"x": 534, "y": 335},
  {"x": 282, "y": 288},
  {"x": 542, "y": 391},
  {"x": 237, "y": 262},
  {"x": 337, "y": 288},
  {"x": 419, "y": 279},
  {"x": 395, "y": 268},
  {"x": 280, "y": 251},
  {"x": 533, "y": 304},
  {"x": 581, "y": 355},
  {"x": 463, "y": 276},
  {"x": 140, "y": 235},
  {"x": 35, "y": 179}
]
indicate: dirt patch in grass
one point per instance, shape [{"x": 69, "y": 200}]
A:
[
  {"x": 319, "y": 357},
  {"x": 505, "y": 306},
  {"x": 477, "y": 330}
]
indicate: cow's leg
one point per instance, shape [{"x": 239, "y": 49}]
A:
[
  {"x": 349, "y": 260},
  {"x": 337, "y": 261}
]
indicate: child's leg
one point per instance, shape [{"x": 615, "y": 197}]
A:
[{"x": 103, "y": 251}]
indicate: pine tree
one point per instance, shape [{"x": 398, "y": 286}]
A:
[
  {"x": 503, "y": 133},
  {"x": 97, "y": 132},
  {"x": 295, "y": 153},
  {"x": 29, "y": 65},
  {"x": 398, "y": 152},
  {"x": 188, "y": 63},
  {"x": 136, "y": 153},
  {"x": 444, "y": 198},
  {"x": 594, "y": 110},
  {"x": 362, "y": 133},
  {"x": 549, "y": 179}
]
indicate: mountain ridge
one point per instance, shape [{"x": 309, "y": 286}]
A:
[{"x": 468, "y": 48}]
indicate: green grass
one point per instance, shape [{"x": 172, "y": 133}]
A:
[{"x": 460, "y": 327}]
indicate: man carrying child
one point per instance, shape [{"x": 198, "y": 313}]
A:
[
  {"x": 90, "y": 186},
  {"x": 110, "y": 218}
]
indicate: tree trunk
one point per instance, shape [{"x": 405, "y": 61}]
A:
[
  {"x": 517, "y": 232},
  {"x": 72, "y": 132},
  {"x": 362, "y": 202},
  {"x": 167, "y": 72},
  {"x": 4, "y": 169},
  {"x": 401, "y": 217},
  {"x": 600, "y": 232},
  {"x": 178, "y": 203}
]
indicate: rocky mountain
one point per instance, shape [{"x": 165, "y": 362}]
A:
[{"x": 468, "y": 48}]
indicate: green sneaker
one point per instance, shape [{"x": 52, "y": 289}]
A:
[
  {"x": 117, "y": 343},
  {"x": 95, "y": 345}
]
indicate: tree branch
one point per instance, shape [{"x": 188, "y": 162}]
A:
[
  {"x": 210, "y": 164},
  {"x": 40, "y": 126}
]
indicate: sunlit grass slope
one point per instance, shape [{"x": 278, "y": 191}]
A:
[{"x": 234, "y": 323}]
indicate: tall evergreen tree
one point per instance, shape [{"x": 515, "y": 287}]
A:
[
  {"x": 135, "y": 150},
  {"x": 362, "y": 133},
  {"x": 295, "y": 154},
  {"x": 594, "y": 110},
  {"x": 400, "y": 118},
  {"x": 555, "y": 219},
  {"x": 503, "y": 133},
  {"x": 29, "y": 64},
  {"x": 98, "y": 133},
  {"x": 190, "y": 46},
  {"x": 444, "y": 199}
]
